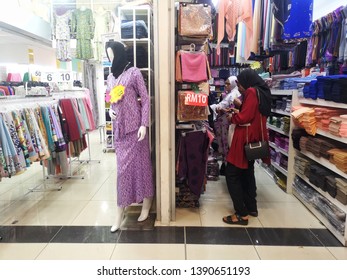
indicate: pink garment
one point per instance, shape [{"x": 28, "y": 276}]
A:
[
  {"x": 14, "y": 77},
  {"x": 194, "y": 68},
  {"x": 235, "y": 11},
  {"x": 89, "y": 114}
]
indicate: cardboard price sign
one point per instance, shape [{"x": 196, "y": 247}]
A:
[{"x": 196, "y": 99}]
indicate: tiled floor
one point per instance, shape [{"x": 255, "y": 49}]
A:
[{"x": 74, "y": 222}]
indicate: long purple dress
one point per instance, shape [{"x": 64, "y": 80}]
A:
[{"x": 134, "y": 168}]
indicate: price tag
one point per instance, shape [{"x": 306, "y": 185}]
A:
[
  {"x": 117, "y": 93},
  {"x": 63, "y": 76},
  {"x": 196, "y": 99}
]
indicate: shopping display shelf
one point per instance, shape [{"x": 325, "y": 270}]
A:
[
  {"x": 274, "y": 128},
  {"x": 278, "y": 149},
  {"x": 282, "y": 91},
  {"x": 281, "y": 112},
  {"x": 322, "y": 102},
  {"x": 331, "y": 136},
  {"x": 280, "y": 168}
]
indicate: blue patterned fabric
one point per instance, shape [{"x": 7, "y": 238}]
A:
[{"x": 299, "y": 21}]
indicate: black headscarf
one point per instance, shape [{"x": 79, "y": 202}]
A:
[
  {"x": 250, "y": 78},
  {"x": 120, "y": 60}
]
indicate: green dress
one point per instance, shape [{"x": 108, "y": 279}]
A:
[{"x": 83, "y": 27}]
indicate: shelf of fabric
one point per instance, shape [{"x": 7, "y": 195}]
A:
[
  {"x": 280, "y": 168},
  {"x": 278, "y": 149},
  {"x": 324, "y": 162},
  {"x": 281, "y": 112},
  {"x": 322, "y": 219},
  {"x": 331, "y": 136},
  {"x": 281, "y": 91},
  {"x": 322, "y": 102},
  {"x": 274, "y": 128},
  {"x": 325, "y": 194}
]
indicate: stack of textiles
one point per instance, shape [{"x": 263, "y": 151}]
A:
[
  {"x": 292, "y": 83},
  {"x": 212, "y": 173},
  {"x": 341, "y": 193},
  {"x": 330, "y": 185},
  {"x": 305, "y": 117},
  {"x": 276, "y": 79},
  {"x": 283, "y": 161},
  {"x": 301, "y": 165},
  {"x": 302, "y": 143},
  {"x": 339, "y": 89},
  {"x": 297, "y": 133},
  {"x": 317, "y": 173},
  {"x": 285, "y": 124},
  {"x": 314, "y": 146},
  {"x": 127, "y": 29},
  {"x": 306, "y": 192},
  {"x": 323, "y": 116},
  {"x": 281, "y": 141},
  {"x": 273, "y": 154},
  {"x": 338, "y": 126},
  {"x": 325, "y": 147},
  {"x": 339, "y": 158}
]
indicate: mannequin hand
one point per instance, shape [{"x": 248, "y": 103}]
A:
[
  {"x": 112, "y": 114},
  {"x": 141, "y": 133}
]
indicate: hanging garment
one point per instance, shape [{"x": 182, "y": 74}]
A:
[
  {"x": 83, "y": 26},
  {"x": 103, "y": 25},
  {"x": 62, "y": 34},
  {"x": 192, "y": 159},
  {"x": 134, "y": 167}
]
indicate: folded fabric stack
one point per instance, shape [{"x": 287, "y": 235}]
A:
[
  {"x": 273, "y": 154},
  {"x": 334, "y": 125},
  {"x": 343, "y": 126},
  {"x": 127, "y": 27},
  {"x": 313, "y": 89},
  {"x": 339, "y": 89},
  {"x": 302, "y": 143},
  {"x": 317, "y": 173},
  {"x": 277, "y": 79},
  {"x": 330, "y": 185},
  {"x": 301, "y": 166},
  {"x": 212, "y": 172},
  {"x": 314, "y": 146},
  {"x": 305, "y": 117},
  {"x": 297, "y": 133},
  {"x": 323, "y": 116},
  {"x": 285, "y": 124},
  {"x": 281, "y": 141},
  {"x": 341, "y": 193},
  {"x": 339, "y": 158},
  {"x": 325, "y": 147},
  {"x": 283, "y": 161}
]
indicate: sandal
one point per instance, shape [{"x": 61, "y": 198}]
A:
[{"x": 240, "y": 220}]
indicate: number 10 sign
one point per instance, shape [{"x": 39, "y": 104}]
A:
[{"x": 49, "y": 77}]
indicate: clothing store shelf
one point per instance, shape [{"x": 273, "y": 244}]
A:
[
  {"x": 278, "y": 149},
  {"x": 321, "y": 218},
  {"x": 325, "y": 194},
  {"x": 279, "y": 168},
  {"x": 326, "y": 163},
  {"x": 281, "y": 112},
  {"x": 331, "y": 136},
  {"x": 322, "y": 102},
  {"x": 277, "y": 129},
  {"x": 281, "y": 91}
]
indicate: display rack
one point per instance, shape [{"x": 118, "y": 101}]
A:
[
  {"x": 277, "y": 169},
  {"x": 326, "y": 164}
]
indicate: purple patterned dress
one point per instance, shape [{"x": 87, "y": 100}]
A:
[{"x": 134, "y": 168}]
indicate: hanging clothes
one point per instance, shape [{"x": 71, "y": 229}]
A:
[{"x": 62, "y": 34}]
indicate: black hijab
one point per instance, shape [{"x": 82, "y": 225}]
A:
[
  {"x": 250, "y": 78},
  {"x": 120, "y": 59}
]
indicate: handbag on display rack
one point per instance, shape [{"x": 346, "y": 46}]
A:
[
  {"x": 258, "y": 149},
  {"x": 195, "y": 20}
]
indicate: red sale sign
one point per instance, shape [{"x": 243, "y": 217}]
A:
[{"x": 196, "y": 99}]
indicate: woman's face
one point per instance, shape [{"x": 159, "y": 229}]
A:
[
  {"x": 227, "y": 86},
  {"x": 240, "y": 87}
]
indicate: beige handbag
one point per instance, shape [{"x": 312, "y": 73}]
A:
[{"x": 194, "y": 20}]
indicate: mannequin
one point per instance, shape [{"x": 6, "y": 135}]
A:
[{"x": 130, "y": 121}]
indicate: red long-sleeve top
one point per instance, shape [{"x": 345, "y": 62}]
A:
[{"x": 249, "y": 114}]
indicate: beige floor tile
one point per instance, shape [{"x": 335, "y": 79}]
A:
[
  {"x": 338, "y": 252},
  {"x": 221, "y": 252},
  {"x": 96, "y": 213},
  {"x": 286, "y": 214},
  {"x": 51, "y": 213},
  {"x": 187, "y": 217},
  {"x": 108, "y": 190},
  {"x": 293, "y": 253},
  {"x": 20, "y": 251},
  {"x": 149, "y": 252},
  {"x": 58, "y": 251}
]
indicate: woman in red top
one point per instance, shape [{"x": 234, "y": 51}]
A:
[{"x": 239, "y": 171}]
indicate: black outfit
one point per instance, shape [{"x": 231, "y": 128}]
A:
[
  {"x": 242, "y": 188},
  {"x": 120, "y": 61}
]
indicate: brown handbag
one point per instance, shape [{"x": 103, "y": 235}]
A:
[{"x": 194, "y": 20}]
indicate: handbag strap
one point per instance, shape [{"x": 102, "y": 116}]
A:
[{"x": 261, "y": 124}]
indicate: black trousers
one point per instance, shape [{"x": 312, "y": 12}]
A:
[{"x": 242, "y": 188}]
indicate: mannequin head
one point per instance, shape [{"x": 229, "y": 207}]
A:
[{"x": 117, "y": 55}]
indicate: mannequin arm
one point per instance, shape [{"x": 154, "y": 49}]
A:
[{"x": 141, "y": 133}]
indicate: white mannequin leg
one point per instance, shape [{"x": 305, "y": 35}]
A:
[
  {"x": 146, "y": 206},
  {"x": 119, "y": 219}
]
